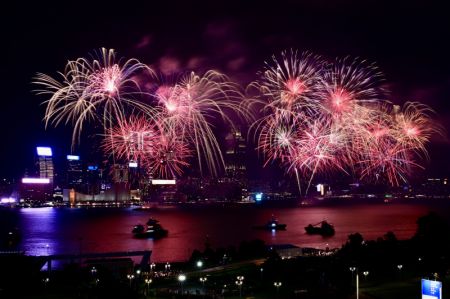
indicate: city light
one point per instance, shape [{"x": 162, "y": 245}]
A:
[
  {"x": 35, "y": 181},
  {"x": 133, "y": 165},
  {"x": 73, "y": 158},
  {"x": 7, "y": 200},
  {"x": 44, "y": 151},
  {"x": 258, "y": 196},
  {"x": 163, "y": 182}
]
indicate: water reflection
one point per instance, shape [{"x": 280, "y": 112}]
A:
[
  {"x": 38, "y": 231},
  {"x": 99, "y": 230}
]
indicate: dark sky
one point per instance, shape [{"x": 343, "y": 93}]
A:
[{"x": 409, "y": 40}]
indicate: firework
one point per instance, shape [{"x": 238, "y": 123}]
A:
[
  {"x": 414, "y": 125},
  {"x": 168, "y": 158},
  {"x": 189, "y": 107},
  {"x": 132, "y": 140},
  {"x": 323, "y": 117},
  {"x": 290, "y": 84},
  {"x": 91, "y": 89},
  {"x": 350, "y": 83}
]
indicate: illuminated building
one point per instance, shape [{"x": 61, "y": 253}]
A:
[
  {"x": 36, "y": 189},
  {"x": 45, "y": 163},
  {"x": 235, "y": 156},
  {"x": 74, "y": 172}
]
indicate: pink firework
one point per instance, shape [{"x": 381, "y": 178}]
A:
[
  {"x": 169, "y": 157},
  {"x": 350, "y": 82},
  {"x": 190, "y": 105},
  {"x": 291, "y": 84},
  {"x": 277, "y": 139},
  {"x": 414, "y": 126},
  {"x": 388, "y": 160},
  {"x": 98, "y": 88},
  {"x": 321, "y": 117},
  {"x": 132, "y": 140}
]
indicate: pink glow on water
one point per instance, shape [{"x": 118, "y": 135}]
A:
[{"x": 103, "y": 230}]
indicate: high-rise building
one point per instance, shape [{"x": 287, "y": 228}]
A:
[
  {"x": 74, "y": 172},
  {"x": 45, "y": 163},
  {"x": 235, "y": 156}
]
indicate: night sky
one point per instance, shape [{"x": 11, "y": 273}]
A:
[{"x": 408, "y": 40}]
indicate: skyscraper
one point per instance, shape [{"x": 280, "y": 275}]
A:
[
  {"x": 74, "y": 172},
  {"x": 235, "y": 156},
  {"x": 45, "y": 163}
]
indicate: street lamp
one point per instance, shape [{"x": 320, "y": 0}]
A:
[
  {"x": 167, "y": 267},
  {"x": 239, "y": 284},
  {"x": 355, "y": 270},
  {"x": 352, "y": 269},
  {"x": 148, "y": 281},
  {"x": 199, "y": 264},
  {"x": 181, "y": 279},
  {"x": 203, "y": 280},
  {"x": 365, "y": 274},
  {"x": 93, "y": 271},
  {"x": 277, "y": 284},
  {"x": 45, "y": 281},
  {"x": 130, "y": 278},
  {"x": 399, "y": 267}
]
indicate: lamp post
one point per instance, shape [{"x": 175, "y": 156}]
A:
[
  {"x": 148, "y": 281},
  {"x": 203, "y": 280},
  {"x": 277, "y": 284},
  {"x": 365, "y": 274},
  {"x": 167, "y": 267},
  {"x": 355, "y": 270},
  {"x": 352, "y": 269},
  {"x": 45, "y": 281},
  {"x": 239, "y": 284},
  {"x": 130, "y": 278},
  {"x": 181, "y": 279}
]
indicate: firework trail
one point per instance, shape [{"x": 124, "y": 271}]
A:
[
  {"x": 168, "y": 157},
  {"x": 133, "y": 139},
  {"x": 100, "y": 88},
  {"x": 290, "y": 84},
  {"x": 320, "y": 117},
  {"x": 189, "y": 106}
]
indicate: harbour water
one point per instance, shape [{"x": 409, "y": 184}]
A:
[{"x": 73, "y": 230}]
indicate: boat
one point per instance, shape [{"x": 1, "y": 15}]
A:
[
  {"x": 272, "y": 224},
  {"x": 322, "y": 228},
  {"x": 12, "y": 238},
  {"x": 152, "y": 230}
]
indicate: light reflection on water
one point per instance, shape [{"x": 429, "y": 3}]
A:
[{"x": 64, "y": 230}]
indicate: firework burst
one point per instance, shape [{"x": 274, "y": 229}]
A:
[
  {"x": 189, "y": 107},
  {"x": 132, "y": 140},
  {"x": 322, "y": 117},
  {"x": 91, "y": 89}
]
